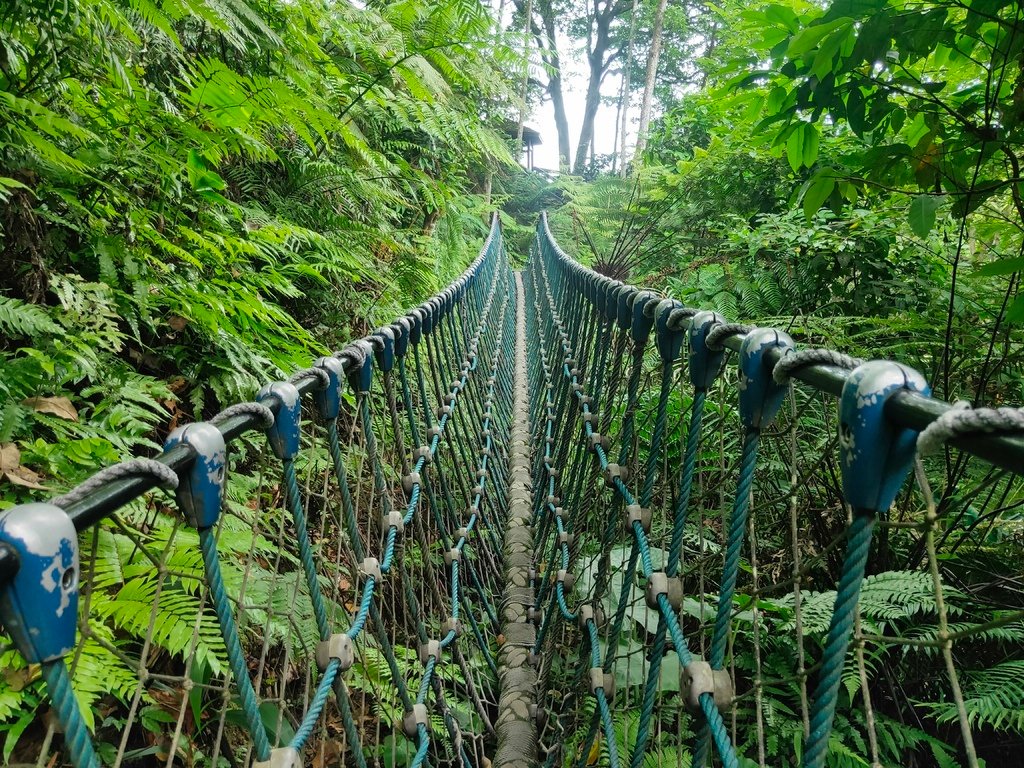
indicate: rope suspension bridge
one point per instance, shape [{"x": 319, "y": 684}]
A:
[{"x": 522, "y": 525}]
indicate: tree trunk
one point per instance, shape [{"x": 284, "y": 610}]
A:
[
  {"x": 627, "y": 71},
  {"x": 555, "y": 84},
  {"x": 598, "y": 58},
  {"x": 652, "y": 74}
]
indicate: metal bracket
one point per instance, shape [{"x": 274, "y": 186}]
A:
[
  {"x": 698, "y": 678},
  {"x": 383, "y": 340},
  {"x": 283, "y": 434},
  {"x": 336, "y": 647},
  {"x": 200, "y": 491},
  {"x": 668, "y": 340},
  {"x": 875, "y": 454},
  {"x": 39, "y": 605}
]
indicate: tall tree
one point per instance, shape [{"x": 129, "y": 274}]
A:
[
  {"x": 545, "y": 34},
  {"x": 653, "y": 56},
  {"x": 624, "y": 94},
  {"x": 602, "y": 51}
]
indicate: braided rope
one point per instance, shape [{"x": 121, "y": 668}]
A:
[
  {"x": 165, "y": 476},
  {"x": 793, "y": 361},
  {"x": 717, "y": 335},
  {"x": 964, "y": 421}
]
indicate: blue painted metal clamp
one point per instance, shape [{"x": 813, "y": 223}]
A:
[
  {"x": 200, "y": 491},
  {"x": 876, "y": 455},
  {"x": 39, "y": 606},
  {"x": 283, "y": 434},
  {"x": 705, "y": 364},
  {"x": 760, "y": 395}
]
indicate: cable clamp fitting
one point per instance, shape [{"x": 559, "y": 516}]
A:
[
  {"x": 370, "y": 569},
  {"x": 430, "y": 649},
  {"x": 535, "y": 615},
  {"x": 393, "y": 519},
  {"x": 637, "y": 514},
  {"x": 588, "y": 613},
  {"x": 336, "y": 647},
  {"x": 282, "y": 757},
  {"x": 410, "y": 482},
  {"x": 423, "y": 452},
  {"x": 615, "y": 472},
  {"x": 453, "y": 555},
  {"x": 602, "y": 681},
  {"x": 660, "y": 583},
  {"x": 566, "y": 579},
  {"x": 462, "y": 533},
  {"x": 597, "y": 439},
  {"x": 452, "y": 625},
  {"x": 698, "y": 678},
  {"x": 414, "y": 719},
  {"x": 564, "y": 537}
]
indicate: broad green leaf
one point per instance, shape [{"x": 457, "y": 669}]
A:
[
  {"x": 818, "y": 190},
  {"x": 922, "y": 213}
]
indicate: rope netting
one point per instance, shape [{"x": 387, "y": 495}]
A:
[
  {"x": 716, "y": 572},
  {"x": 320, "y": 594},
  {"x": 544, "y": 518}
]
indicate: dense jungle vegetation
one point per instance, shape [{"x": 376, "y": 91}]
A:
[{"x": 198, "y": 196}]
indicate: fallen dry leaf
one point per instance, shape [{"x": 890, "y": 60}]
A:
[
  {"x": 60, "y": 407},
  {"x": 10, "y": 468}
]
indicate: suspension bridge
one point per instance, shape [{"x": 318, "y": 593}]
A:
[{"x": 520, "y": 526}]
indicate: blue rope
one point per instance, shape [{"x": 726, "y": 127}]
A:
[
  {"x": 823, "y": 707},
  {"x": 228, "y": 631},
  {"x": 76, "y": 734}
]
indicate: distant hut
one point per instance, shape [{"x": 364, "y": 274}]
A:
[{"x": 531, "y": 138}]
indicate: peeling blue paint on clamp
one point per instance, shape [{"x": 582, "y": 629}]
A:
[
  {"x": 624, "y": 306},
  {"x": 383, "y": 340},
  {"x": 641, "y": 324},
  {"x": 401, "y": 328},
  {"x": 875, "y": 454},
  {"x": 360, "y": 375},
  {"x": 283, "y": 435},
  {"x": 328, "y": 399},
  {"x": 760, "y": 395},
  {"x": 39, "y": 606},
  {"x": 668, "y": 340},
  {"x": 415, "y": 325},
  {"x": 704, "y": 364},
  {"x": 200, "y": 490}
]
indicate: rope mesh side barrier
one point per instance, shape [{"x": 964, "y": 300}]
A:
[
  {"x": 304, "y": 597},
  {"x": 665, "y": 545},
  {"x": 544, "y": 518}
]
